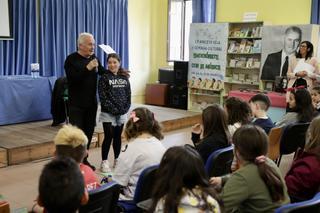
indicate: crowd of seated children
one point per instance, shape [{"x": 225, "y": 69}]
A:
[
  {"x": 71, "y": 141},
  {"x": 259, "y": 105},
  {"x": 215, "y": 131},
  {"x": 303, "y": 179},
  {"x": 238, "y": 112},
  {"x": 144, "y": 149},
  {"x": 61, "y": 186},
  {"x": 301, "y": 108},
  {"x": 182, "y": 184},
  {"x": 257, "y": 186},
  {"x": 315, "y": 95}
]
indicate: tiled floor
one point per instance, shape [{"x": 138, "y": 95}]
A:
[{"x": 19, "y": 184}]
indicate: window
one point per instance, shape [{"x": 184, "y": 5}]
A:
[{"x": 179, "y": 20}]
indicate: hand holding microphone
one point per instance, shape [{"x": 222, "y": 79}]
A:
[{"x": 93, "y": 64}]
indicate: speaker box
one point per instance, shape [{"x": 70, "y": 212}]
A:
[
  {"x": 166, "y": 76},
  {"x": 178, "y": 97},
  {"x": 180, "y": 73}
]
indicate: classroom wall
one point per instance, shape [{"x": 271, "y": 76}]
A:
[
  {"x": 147, "y": 43},
  {"x": 275, "y": 12}
]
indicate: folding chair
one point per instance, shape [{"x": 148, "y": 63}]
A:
[
  {"x": 309, "y": 206},
  {"x": 219, "y": 162},
  {"x": 292, "y": 138},
  {"x": 103, "y": 199},
  {"x": 143, "y": 190}
]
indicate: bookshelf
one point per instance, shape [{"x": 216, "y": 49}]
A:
[
  {"x": 199, "y": 99},
  {"x": 243, "y": 56}
]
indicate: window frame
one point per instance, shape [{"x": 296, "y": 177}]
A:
[{"x": 182, "y": 31}]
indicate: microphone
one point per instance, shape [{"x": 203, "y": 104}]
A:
[{"x": 92, "y": 57}]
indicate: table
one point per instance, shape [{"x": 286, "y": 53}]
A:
[
  {"x": 23, "y": 98},
  {"x": 278, "y": 102}
]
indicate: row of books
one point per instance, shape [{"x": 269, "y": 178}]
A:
[
  {"x": 245, "y": 46},
  {"x": 244, "y": 62},
  {"x": 248, "y": 78},
  {"x": 240, "y": 32}
]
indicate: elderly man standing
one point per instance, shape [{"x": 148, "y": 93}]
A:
[{"x": 82, "y": 68}]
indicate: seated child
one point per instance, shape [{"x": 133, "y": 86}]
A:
[
  {"x": 303, "y": 179},
  {"x": 257, "y": 186},
  {"x": 182, "y": 184},
  {"x": 71, "y": 142},
  {"x": 215, "y": 131},
  {"x": 61, "y": 186},
  {"x": 144, "y": 149},
  {"x": 315, "y": 95},
  {"x": 259, "y": 105}
]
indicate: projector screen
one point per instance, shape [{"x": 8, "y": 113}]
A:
[{"x": 6, "y": 19}]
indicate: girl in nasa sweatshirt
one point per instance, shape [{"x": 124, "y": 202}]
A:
[{"x": 115, "y": 98}]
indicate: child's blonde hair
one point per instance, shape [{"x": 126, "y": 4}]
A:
[
  {"x": 70, "y": 135},
  {"x": 142, "y": 121},
  {"x": 71, "y": 142}
]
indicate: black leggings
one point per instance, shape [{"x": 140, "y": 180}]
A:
[{"x": 111, "y": 133}]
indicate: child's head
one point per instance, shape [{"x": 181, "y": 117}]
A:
[
  {"x": 142, "y": 121},
  {"x": 315, "y": 95},
  {"x": 71, "y": 142},
  {"x": 313, "y": 136},
  {"x": 259, "y": 102},
  {"x": 300, "y": 102},
  {"x": 214, "y": 120},
  {"x": 237, "y": 111},
  {"x": 251, "y": 145},
  {"x": 181, "y": 168},
  {"x": 61, "y": 186},
  {"x": 114, "y": 62}
]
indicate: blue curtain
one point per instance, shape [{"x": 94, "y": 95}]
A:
[
  {"x": 17, "y": 55},
  {"x": 203, "y": 11},
  {"x": 315, "y": 12},
  {"x": 61, "y": 21}
]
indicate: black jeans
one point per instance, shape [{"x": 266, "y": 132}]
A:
[
  {"x": 111, "y": 133},
  {"x": 85, "y": 119}
]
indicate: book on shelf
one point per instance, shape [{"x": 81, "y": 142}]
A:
[
  {"x": 241, "y": 62},
  {"x": 249, "y": 63},
  {"x": 256, "y": 48},
  {"x": 233, "y": 62},
  {"x": 232, "y": 46},
  {"x": 257, "y": 31},
  {"x": 242, "y": 77},
  {"x": 255, "y": 77},
  {"x": 248, "y": 47},
  {"x": 235, "y": 77},
  {"x": 256, "y": 63},
  {"x": 242, "y": 46}
]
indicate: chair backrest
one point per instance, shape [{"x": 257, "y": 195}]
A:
[
  {"x": 309, "y": 206},
  {"x": 274, "y": 143},
  {"x": 219, "y": 162},
  {"x": 145, "y": 184},
  {"x": 293, "y": 137},
  {"x": 102, "y": 199}
]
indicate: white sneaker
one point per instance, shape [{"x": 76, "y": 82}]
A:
[{"x": 105, "y": 168}]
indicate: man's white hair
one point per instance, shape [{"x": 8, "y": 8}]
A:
[{"x": 82, "y": 36}]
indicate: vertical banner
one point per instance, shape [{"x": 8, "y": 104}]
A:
[{"x": 207, "y": 55}]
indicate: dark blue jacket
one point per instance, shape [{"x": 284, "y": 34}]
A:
[{"x": 114, "y": 93}]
